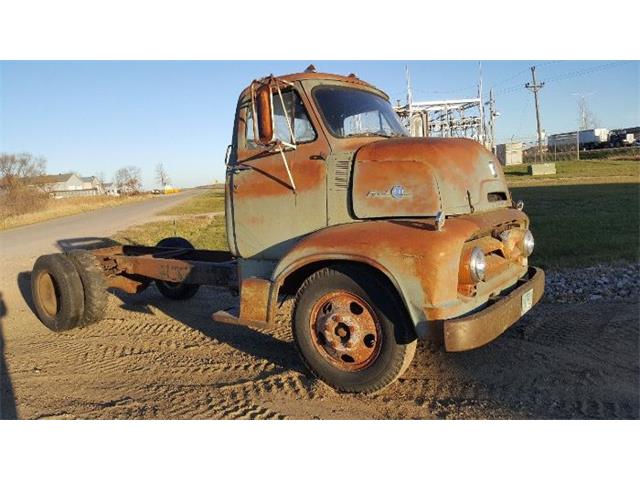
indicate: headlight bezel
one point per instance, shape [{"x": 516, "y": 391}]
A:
[
  {"x": 528, "y": 243},
  {"x": 477, "y": 265}
]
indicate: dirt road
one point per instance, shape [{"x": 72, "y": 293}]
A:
[{"x": 154, "y": 358}]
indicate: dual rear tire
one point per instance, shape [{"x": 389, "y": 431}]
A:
[{"x": 68, "y": 291}]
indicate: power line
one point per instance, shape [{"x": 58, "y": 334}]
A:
[{"x": 568, "y": 75}]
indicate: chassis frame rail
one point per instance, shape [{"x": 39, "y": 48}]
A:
[{"x": 131, "y": 267}]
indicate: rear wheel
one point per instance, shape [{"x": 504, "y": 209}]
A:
[
  {"x": 351, "y": 330},
  {"x": 94, "y": 286},
  {"x": 57, "y": 293},
  {"x": 176, "y": 290}
]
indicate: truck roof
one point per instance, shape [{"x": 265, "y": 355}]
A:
[{"x": 351, "y": 78}]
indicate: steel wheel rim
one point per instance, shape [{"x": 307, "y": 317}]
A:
[
  {"x": 345, "y": 331},
  {"x": 47, "y": 294}
]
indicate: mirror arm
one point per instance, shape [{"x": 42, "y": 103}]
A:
[
  {"x": 286, "y": 115},
  {"x": 286, "y": 166}
]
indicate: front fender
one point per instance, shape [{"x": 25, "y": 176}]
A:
[
  {"x": 420, "y": 261},
  {"x": 415, "y": 257}
]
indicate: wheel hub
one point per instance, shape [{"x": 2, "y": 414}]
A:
[
  {"x": 346, "y": 331},
  {"x": 47, "y": 294}
]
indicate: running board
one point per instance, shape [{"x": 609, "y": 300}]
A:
[{"x": 223, "y": 316}]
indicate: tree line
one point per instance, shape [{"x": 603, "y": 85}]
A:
[{"x": 17, "y": 196}]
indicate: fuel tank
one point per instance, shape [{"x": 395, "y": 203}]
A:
[{"x": 418, "y": 177}]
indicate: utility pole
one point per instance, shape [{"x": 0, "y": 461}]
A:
[
  {"x": 481, "y": 134},
  {"x": 534, "y": 87},
  {"x": 409, "y": 98},
  {"x": 492, "y": 115}
]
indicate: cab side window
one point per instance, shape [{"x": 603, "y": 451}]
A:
[{"x": 300, "y": 124}]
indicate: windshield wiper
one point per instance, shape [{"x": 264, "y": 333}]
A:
[{"x": 368, "y": 134}]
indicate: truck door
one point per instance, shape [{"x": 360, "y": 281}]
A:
[{"x": 268, "y": 214}]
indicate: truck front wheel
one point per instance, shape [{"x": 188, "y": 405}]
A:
[{"x": 351, "y": 330}]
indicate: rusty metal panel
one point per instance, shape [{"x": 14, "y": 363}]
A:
[
  {"x": 480, "y": 328},
  {"x": 421, "y": 261},
  {"x": 268, "y": 214},
  {"x": 452, "y": 175},
  {"x": 394, "y": 188},
  {"x": 127, "y": 284},
  {"x": 254, "y": 299},
  {"x": 172, "y": 270}
]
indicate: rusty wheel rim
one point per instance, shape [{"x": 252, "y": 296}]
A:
[
  {"x": 47, "y": 294},
  {"x": 345, "y": 331}
]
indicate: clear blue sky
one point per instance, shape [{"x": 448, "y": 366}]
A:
[{"x": 98, "y": 116}]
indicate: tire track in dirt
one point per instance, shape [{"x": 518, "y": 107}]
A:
[{"x": 156, "y": 359}]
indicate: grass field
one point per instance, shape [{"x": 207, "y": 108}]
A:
[
  {"x": 210, "y": 201},
  {"x": 579, "y": 225},
  {"x": 67, "y": 206},
  {"x": 192, "y": 222},
  {"x": 574, "y": 225},
  {"x": 578, "y": 172}
]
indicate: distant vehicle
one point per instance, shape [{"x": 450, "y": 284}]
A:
[
  {"x": 155, "y": 191},
  {"x": 591, "y": 139},
  {"x": 587, "y": 139},
  {"x": 621, "y": 139}
]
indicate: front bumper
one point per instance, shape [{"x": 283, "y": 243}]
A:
[{"x": 477, "y": 329}]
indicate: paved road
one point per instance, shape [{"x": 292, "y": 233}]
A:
[
  {"x": 20, "y": 247},
  {"x": 50, "y": 236}
]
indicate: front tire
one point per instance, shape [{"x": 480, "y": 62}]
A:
[{"x": 351, "y": 330}]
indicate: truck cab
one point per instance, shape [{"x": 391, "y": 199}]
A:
[{"x": 323, "y": 177}]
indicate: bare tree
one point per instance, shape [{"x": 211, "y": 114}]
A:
[
  {"x": 101, "y": 177},
  {"x": 18, "y": 196},
  {"x": 16, "y": 169},
  {"x": 586, "y": 118},
  {"x": 128, "y": 180},
  {"x": 162, "y": 177}
]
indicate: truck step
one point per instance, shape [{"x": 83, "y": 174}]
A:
[{"x": 229, "y": 317}]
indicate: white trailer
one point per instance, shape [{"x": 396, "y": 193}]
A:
[{"x": 587, "y": 139}]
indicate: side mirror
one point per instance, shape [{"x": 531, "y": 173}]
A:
[{"x": 264, "y": 114}]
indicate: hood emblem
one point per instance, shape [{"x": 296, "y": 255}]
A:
[{"x": 397, "y": 192}]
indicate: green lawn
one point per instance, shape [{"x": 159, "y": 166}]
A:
[
  {"x": 209, "y": 201},
  {"x": 205, "y": 232},
  {"x": 579, "y": 225},
  {"x": 624, "y": 170}
]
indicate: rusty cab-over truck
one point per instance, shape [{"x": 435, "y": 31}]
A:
[{"x": 382, "y": 238}]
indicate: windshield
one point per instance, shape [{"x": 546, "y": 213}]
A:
[{"x": 350, "y": 112}]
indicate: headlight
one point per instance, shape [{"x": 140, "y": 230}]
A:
[
  {"x": 527, "y": 243},
  {"x": 477, "y": 265}
]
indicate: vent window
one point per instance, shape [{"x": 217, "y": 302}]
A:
[{"x": 497, "y": 196}]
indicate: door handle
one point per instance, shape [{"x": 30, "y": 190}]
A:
[{"x": 239, "y": 168}]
